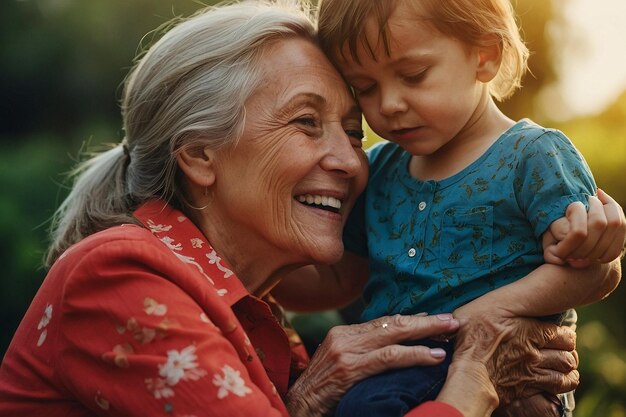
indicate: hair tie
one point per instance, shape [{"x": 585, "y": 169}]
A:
[{"x": 125, "y": 148}]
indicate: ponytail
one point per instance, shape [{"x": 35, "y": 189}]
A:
[{"x": 98, "y": 200}]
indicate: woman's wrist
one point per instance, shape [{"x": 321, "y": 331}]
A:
[{"x": 469, "y": 389}]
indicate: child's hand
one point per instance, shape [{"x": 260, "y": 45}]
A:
[{"x": 581, "y": 238}]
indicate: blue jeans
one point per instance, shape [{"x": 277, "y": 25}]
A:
[{"x": 394, "y": 393}]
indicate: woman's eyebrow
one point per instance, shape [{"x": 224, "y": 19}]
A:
[{"x": 300, "y": 100}]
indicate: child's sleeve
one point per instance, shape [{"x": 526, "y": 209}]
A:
[{"x": 551, "y": 175}]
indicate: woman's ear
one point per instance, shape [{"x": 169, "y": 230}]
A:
[
  {"x": 489, "y": 59},
  {"x": 198, "y": 165}
]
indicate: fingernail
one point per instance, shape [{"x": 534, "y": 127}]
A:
[
  {"x": 438, "y": 353},
  {"x": 444, "y": 317},
  {"x": 422, "y": 314}
]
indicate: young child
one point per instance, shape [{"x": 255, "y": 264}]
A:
[{"x": 461, "y": 198}]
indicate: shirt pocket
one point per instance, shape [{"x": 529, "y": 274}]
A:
[{"x": 466, "y": 239}]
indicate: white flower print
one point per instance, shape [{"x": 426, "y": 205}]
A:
[
  {"x": 230, "y": 382},
  {"x": 156, "y": 228},
  {"x": 152, "y": 307},
  {"x": 222, "y": 292},
  {"x": 101, "y": 402},
  {"x": 120, "y": 355},
  {"x": 42, "y": 337},
  {"x": 169, "y": 242},
  {"x": 181, "y": 365},
  {"x": 159, "y": 388},
  {"x": 45, "y": 319},
  {"x": 196, "y": 243},
  {"x": 214, "y": 259}
]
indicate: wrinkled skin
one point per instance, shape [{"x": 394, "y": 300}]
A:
[
  {"x": 351, "y": 353},
  {"x": 539, "y": 405},
  {"x": 524, "y": 357}
]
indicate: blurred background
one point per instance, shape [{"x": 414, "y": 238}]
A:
[{"x": 62, "y": 63}]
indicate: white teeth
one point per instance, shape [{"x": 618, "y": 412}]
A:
[{"x": 320, "y": 200}]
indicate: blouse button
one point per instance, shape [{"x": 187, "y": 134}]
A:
[
  {"x": 421, "y": 206},
  {"x": 412, "y": 252}
]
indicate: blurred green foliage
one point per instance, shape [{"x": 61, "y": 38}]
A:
[{"x": 62, "y": 63}]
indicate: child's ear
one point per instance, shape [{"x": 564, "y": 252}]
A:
[
  {"x": 198, "y": 165},
  {"x": 489, "y": 59}
]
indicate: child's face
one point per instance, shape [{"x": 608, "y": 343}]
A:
[{"x": 424, "y": 93}]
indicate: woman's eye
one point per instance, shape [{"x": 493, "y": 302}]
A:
[{"x": 306, "y": 121}]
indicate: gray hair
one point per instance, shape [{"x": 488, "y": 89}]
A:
[{"x": 188, "y": 90}]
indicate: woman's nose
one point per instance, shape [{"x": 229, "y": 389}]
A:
[{"x": 342, "y": 156}]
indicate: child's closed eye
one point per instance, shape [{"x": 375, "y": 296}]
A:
[
  {"x": 365, "y": 89},
  {"x": 415, "y": 78}
]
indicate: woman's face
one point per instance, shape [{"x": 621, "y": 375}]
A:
[{"x": 285, "y": 189}]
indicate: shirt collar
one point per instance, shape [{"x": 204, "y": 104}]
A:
[{"x": 188, "y": 243}]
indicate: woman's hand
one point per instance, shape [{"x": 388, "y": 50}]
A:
[
  {"x": 544, "y": 405},
  {"x": 523, "y": 356},
  {"x": 352, "y": 353}
]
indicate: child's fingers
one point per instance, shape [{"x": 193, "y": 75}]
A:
[
  {"x": 549, "y": 242},
  {"x": 558, "y": 230},
  {"x": 596, "y": 227},
  {"x": 576, "y": 215},
  {"x": 550, "y": 258},
  {"x": 616, "y": 222}
]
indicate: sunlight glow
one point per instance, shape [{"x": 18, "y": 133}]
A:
[{"x": 593, "y": 58}]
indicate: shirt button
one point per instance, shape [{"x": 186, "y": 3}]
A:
[
  {"x": 412, "y": 252},
  {"x": 421, "y": 206}
]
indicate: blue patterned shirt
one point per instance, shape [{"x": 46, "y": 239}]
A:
[{"x": 435, "y": 245}]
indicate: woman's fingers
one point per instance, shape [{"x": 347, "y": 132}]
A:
[
  {"x": 554, "y": 381},
  {"x": 388, "y": 330},
  {"x": 536, "y": 405},
  {"x": 557, "y": 337},
  {"x": 558, "y": 360},
  {"x": 400, "y": 356}
]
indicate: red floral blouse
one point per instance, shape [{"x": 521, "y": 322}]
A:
[{"x": 150, "y": 321}]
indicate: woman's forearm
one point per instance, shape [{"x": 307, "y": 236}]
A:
[{"x": 549, "y": 289}]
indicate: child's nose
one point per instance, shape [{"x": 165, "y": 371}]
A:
[{"x": 391, "y": 102}]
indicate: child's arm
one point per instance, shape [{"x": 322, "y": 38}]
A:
[
  {"x": 323, "y": 287},
  {"x": 551, "y": 289}
]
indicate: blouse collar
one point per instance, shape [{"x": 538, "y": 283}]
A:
[{"x": 189, "y": 245}]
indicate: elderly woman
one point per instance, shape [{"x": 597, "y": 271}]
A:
[{"x": 241, "y": 160}]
